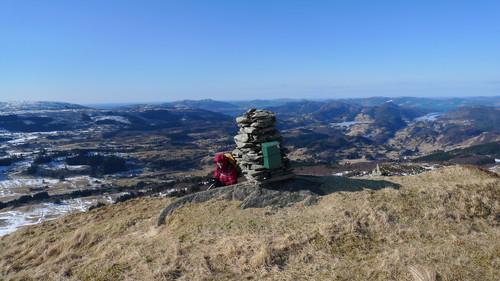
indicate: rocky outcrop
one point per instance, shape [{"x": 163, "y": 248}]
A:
[
  {"x": 252, "y": 195},
  {"x": 306, "y": 189},
  {"x": 258, "y": 127}
]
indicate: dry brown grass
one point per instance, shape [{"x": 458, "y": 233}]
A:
[{"x": 440, "y": 225}]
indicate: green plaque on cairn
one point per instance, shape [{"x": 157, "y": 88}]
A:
[{"x": 272, "y": 154}]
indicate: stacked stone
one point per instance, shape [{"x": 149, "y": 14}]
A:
[{"x": 257, "y": 127}]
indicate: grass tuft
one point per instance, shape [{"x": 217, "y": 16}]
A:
[{"x": 422, "y": 273}]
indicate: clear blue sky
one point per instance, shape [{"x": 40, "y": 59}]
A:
[{"x": 152, "y": 51}]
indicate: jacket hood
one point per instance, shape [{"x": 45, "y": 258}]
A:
[
  {"x": 223, "y": 159},
  {"x": 220, "y": 158}
]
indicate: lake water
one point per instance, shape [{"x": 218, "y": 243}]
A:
[
  {"x": 429, "y": 117},
  {"x": 350, "y": 123},
  {"x": 3, "y": 175}
]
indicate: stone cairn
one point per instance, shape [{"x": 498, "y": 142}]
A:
[{"x": 257, "y": 127}]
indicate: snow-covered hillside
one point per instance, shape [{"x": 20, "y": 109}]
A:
[{"x": 16, "y": 106}]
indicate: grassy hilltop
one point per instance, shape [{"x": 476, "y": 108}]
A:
[{"x": 439, "y": 225}]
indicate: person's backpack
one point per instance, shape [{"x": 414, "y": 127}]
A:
[{"x": 232, "y": 161}]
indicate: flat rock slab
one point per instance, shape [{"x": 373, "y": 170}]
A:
[{"x": 278, "y": 194}]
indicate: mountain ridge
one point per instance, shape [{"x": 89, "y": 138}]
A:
[
  {"x": 419, "y": 228},
  {"x": 16, "y": 106}
]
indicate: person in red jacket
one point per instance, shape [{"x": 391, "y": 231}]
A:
[{"x": 225, "y": 173}]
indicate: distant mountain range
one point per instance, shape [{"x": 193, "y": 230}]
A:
[
  {"x": 291, "y": 106},
  {"x": 294, "y": 106},
  {"x": 8, "y": 107},
  {"x": 322, "y": 130},
  {"x": 307, "y": 106},
  {"x": 54, "y": 116},
  {"x": 439, "y": 104}
]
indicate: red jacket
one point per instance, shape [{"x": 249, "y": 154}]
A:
[{"x": 227, "y": 174}]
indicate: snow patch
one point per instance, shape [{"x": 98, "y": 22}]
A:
[
  {"x": 341, "y": 174},
  {"x": 22, "y": 140},
  {"x": 11, "y": 221},
  {"x": 116, "y": 118},
  {"x": 14, "y": 183}
]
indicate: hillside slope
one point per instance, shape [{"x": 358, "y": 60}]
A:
[{"x": 439, "y": 225}]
